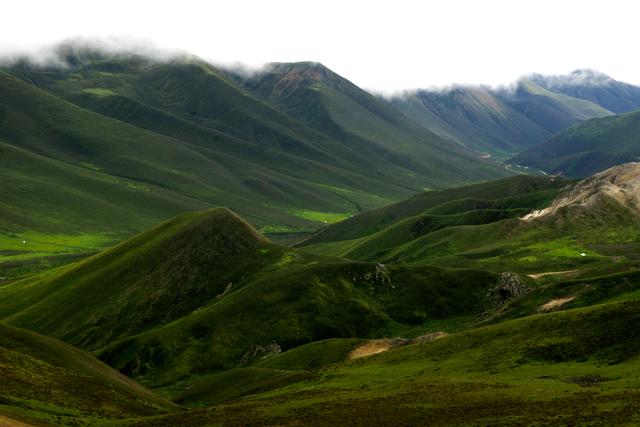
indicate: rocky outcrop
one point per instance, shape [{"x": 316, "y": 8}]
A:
[
  {"x": 261, "y": 351},
  {"x": 509, "y": 286},
  {"x": 377, "y": 280},
  {"x": 428, "y": 337},
  {"x": 619, "y": 184}
]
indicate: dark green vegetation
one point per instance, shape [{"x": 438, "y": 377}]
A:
[
  {"x": 206, "y": 292},
  {"x": 567, "y": 368},
  {"x": 588, "y": 147},
  {"x": 47, "y": 381},
  {"x": 238, "y": 330},
  {"x": 507, "y": 121}
]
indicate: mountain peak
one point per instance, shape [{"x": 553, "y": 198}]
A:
[{"x": 580, "y": 77}]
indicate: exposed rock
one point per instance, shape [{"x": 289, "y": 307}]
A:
[
  {"x": 226, "y": 290},
  {"x": 380, "y": 279},
  {"x": 619, "y": 184},
  {"x": 509, "y": 286},
  {"x": 261, "y": 350},
  {"x": 428, "y": 337}
]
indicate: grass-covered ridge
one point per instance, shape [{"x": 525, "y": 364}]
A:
[
  {"x": 174, "y": 301},
  {"x": 47, "y": 381}
]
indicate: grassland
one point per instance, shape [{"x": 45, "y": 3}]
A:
[{"x": 575, "y": 367}]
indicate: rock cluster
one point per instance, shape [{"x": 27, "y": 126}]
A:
[
  {"x": 509, "y": 286},
  {"x": 261, "y": 350}
]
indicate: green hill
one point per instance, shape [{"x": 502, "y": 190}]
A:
[
  {"x": 450, "y": 228},
  {"x": 47, "y": 382},
  {"x": 331, "y": 104},
  {"x": 205, "y": 292},
  {"x": 588, "y": 147}
]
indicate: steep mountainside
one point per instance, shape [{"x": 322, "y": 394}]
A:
[
  {"x": 331, "y": 104},
  {"x": 618, "y": 186},
  {"x": 587, "y": 147},
  {"x": 508, "y": 120},
  {"x": 474, "y": 116}
]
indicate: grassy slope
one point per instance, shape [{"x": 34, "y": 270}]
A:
[
  {"x": 451, "y": 229},
  {"x": 45, "y": 380},
  {"x": 575, "y": 367},
  {"x": 588, "y": 147},
  {"x": 52, "y": 210},
  {"x": 195, "y": 293}
]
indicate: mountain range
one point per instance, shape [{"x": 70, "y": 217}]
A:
[{"x": 507, "y": 120}]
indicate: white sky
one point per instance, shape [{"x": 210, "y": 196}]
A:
[{"x": 379, "y": 45}]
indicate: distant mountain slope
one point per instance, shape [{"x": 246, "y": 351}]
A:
[
  {"x": 593, "y": 86},
  {"x": 508, "y": 120},
  {"x": 588, "y": 147},
  {"x": 475, "y": 117},
  {"x": 45, "y": 380},
  {"x": 205, "y": 292},
  {"x": 331, "y": 104}
]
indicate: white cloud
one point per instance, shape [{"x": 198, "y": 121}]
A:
[{"x": 384, "y": 46}]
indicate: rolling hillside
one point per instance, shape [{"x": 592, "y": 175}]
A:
[
  {"x": 499, "y": 233},
  {"x": 588, "y": 147},
  {"x": 573, "y": 367},
  {"x": 206, "y": 292}
]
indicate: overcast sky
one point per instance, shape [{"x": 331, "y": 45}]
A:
[{"x": 379, "y": 45}]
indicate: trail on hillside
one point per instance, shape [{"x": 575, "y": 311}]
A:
[{"x": 537, "y": 276}]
